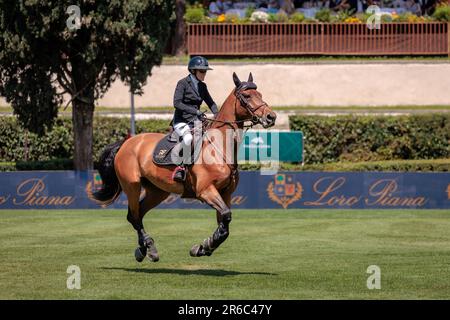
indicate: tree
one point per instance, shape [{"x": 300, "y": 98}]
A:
[
  {"x": 179, "y": 37},
  {"x": 44, "y": 54}
]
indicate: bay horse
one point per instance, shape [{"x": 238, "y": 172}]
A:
[{"x": 127, "y": 166}]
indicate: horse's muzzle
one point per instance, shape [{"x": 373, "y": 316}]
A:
[{"x": 268, "y": 120}]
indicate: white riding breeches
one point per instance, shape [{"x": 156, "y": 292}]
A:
[{"x": 184, "y": 131}]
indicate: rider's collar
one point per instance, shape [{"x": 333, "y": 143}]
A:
[{"x": 194, "y": 78}]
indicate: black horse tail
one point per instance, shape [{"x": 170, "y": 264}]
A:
[{"x": 110, "y": 189}]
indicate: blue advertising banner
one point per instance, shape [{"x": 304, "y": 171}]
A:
[{"x": 344, "y": 190}]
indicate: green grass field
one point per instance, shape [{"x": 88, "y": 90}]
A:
[{"x": 270, "y": 254}]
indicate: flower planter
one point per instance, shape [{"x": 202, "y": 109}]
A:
[{"x": 259, "y": 39}]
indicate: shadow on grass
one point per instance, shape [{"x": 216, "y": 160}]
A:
[{"x": 187, "y": 272}]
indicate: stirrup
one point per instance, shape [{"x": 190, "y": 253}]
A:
[{"x": 181, "y": 170}]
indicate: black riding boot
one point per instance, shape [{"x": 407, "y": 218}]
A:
[{"x": 180, "y": 174}]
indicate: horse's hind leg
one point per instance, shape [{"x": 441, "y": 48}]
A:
[{"x": 153, "y": 197}]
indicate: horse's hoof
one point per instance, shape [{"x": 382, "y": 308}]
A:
[
  {"x": 152, "y": 254},
  {"x": 139, "y": 255},
  {"x": 154, "y": 257},
  {"x": 196, "y": 250}
]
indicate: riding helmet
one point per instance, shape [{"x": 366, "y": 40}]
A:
[{"x": 198, "y": 63}]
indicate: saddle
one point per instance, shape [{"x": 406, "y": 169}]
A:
[{"x": 162, "y": 155}]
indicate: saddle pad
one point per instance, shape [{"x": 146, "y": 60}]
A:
[{"x": 161, "y": 154}]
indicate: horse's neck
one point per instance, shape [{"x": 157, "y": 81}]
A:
[
  {"x": 227, "y": 121},
  {"x": 227, "y": 114}
]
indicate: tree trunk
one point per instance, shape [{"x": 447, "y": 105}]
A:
[
  {"x": 82, "y": 119},
  {"x": 179, "y": 39}
]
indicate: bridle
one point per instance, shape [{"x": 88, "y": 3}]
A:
[
  {"x": 254, "y": 120},
  {"x": 245, "y": 104}
]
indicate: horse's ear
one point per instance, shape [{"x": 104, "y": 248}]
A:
[
  {"x": 236, "y": 80},
  {"x": 250, "y": 77}
]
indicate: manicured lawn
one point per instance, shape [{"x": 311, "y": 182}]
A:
[{"x": 270, "y": 254}]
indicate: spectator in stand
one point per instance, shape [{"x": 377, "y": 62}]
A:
[
  {"x": 323, "y": 4},
  {"x": 368, "y": 3},
  {"x": 398, "y": 4},
  {"x": 288, "y": 6},
  {"x": 299, "y": 3},
  {"x": 414, "y": 7},
  {"x": 352, "y": 6},
  {"x": 428, "y": 6},
  {"x": 273, "y": 6},
  {"x": 263, "y": 4},
  {"x": 338, "y": 5},
  {"x": 216, "y": 8},
  {"x": 227, "y": 5}
]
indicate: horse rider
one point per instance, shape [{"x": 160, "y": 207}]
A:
[{"x": 190, "y": 92}]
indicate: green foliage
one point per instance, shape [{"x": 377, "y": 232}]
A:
[
  {"x": 272, "y": 17},
  {"x": 297, "y": 17},
  {"x": 385, "y": 18},
  {"x": 278, "y": 17},
  {"x": 39, "y": 53},
  {"x": 323, "y": 15},
  {"x": 281, "y": 16},
  {"x": 44, "y": 165},
  {"x": 442, "y": 13},
  {"x": 249, "y": 11},
  {"x": 439, "y": 165},
  {"x": 17, "y": 144},
  {"x": 232, "y": 18},
  {"x": 195, "y": 14},
  {"x": 342, "y": 15},
  {"x": 37, "y": 105},
  {"x": 374, "y": 138}
]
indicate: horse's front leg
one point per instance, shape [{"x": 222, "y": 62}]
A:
[{"x": 212, "y": 197}]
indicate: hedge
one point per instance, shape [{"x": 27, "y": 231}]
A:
[
  {"x": 16, "y": 144},
  {"x": 373, "y": 138},
  {"x": 334, "y": 141},
  {"x": 440, "y": 165}
]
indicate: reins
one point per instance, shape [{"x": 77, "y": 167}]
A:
[{"x": 244, "y": 102}]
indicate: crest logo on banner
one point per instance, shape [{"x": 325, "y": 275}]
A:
[
  {"x": 284, "y": 190},
  {"x": 94, "y": 184}
]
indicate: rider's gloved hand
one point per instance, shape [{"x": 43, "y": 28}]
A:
[{"x": 201, "y": 115}]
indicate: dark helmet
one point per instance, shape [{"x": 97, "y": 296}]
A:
[{"x": 198, "y": 63}]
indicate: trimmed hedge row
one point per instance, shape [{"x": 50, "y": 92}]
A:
[
  {"x": 373, "y": 138},
  {"x": 54, "y": 164},
  {"x": 338, "y": 142},
  {"x": 17, "y": 144},
  {"x": 440, "y": 165}
]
